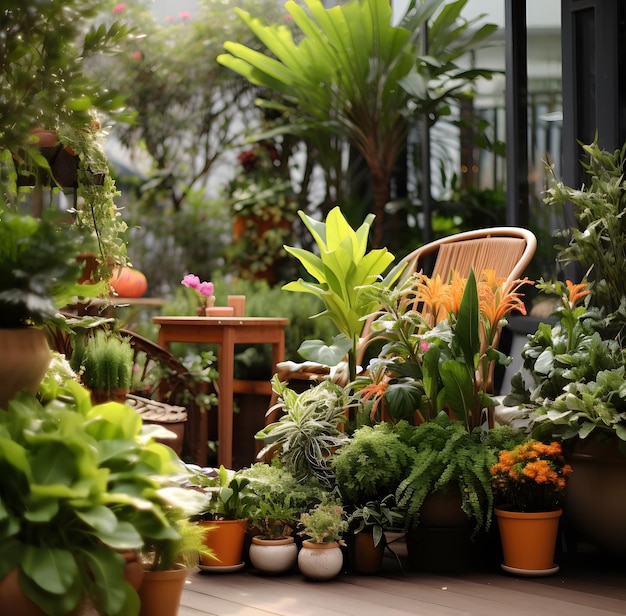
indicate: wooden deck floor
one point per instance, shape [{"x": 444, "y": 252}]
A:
[{"x": 588, "y": 584}]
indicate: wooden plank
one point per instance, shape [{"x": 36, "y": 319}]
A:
[{"x": 575, "y": 591}]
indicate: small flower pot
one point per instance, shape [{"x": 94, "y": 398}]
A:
[
  {"x": 273, "y": 556},
  {"x": 320, "y": 561}
]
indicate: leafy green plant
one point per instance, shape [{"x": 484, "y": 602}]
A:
[
  {"x": 325, "y": 523},
  {"x": 343, "y": 270},
  {"x": 96, "y": 192},
  {"x": 598, "y": 242},
  {"x": 165, "y": 554},
  {"x": 43, "y": 43},
  {"x": 374, "y": 76},
  {"x": 573, "y": 379},
  {"x": 86, "y": 482},
  {"x": 229, "y": 496},
  {"x": 106, "y": 363},
  {"x": 377, "y": 517},
  {"x": 372, "y": 464},
  {"x": 448, "y": 457},
  {"x": 40, "y": 270},
  {"x": 281, "y": 498},
  {"x": 305, "y": 436}
]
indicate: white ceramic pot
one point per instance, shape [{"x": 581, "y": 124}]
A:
[
  {"x": 273, "y": 556},
  {"x": 320, "y": 561}
]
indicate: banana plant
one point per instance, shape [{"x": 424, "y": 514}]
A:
[
  {"x": 343, "y": 270},
  {"x": 352, "y": 73}
]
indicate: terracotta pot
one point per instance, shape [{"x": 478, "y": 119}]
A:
[
  {"x": 528, "y": 540},
  {"x": 595, "y": 496},
  {"x": 100, "y": 396},
  {"x": 320, "y": 561},
  {"x": 226, "y": 541},
  {"x": 160, "y": 592},
  {"x": 273, "y": 556},
  {"x": 133, "y": 570},
  {"x": 367, "y": 557},
  {"x": 13, "y": 601},
  {"x": 25, "y": 359}
]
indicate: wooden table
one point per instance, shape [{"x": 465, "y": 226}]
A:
[{"x": 226, "y": 332}]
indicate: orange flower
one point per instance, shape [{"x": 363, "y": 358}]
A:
[
  {"x": 576, "y": 292},
  {"x": 532, "y": 476},
  {"x": 375, "y": 391},
  {"x": 433, "y": 293}
]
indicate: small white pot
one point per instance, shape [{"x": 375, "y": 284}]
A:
[
  {"x": 273, "y": 556},
  {"x": 320, "y": 561}
]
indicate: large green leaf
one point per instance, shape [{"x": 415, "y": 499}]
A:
[
  {"x": 467, "y": 328},
  {"x": 459, "y": 388},
  {"x": 52, "y": 569}
]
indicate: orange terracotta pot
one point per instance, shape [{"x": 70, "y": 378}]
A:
[
  {"x": 226, "y": 540},
  {"x": 160, "y": 592},
  {"x": 528, "y": 539}
]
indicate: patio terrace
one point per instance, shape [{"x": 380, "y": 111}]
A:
[{"x": 588, "y": 584}]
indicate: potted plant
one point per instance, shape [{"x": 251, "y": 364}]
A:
[
  {"x": 571, "y": 384},
  {"x": 105, "y": 365},
  {"x": 228, "y": 503},
  {"x": 273, "y": 519},
  {"x": 368, "y": 524},
  {"x": 307, "y": 433},
  {"x": 38, "y": 276},
  {"x": 529, "y": 482},
  {"x": 446, "y": 496},
  {"x": 321, "y": 557},
  {"x": 86, "y": 470},
  {"x": 167, "y": 562}
]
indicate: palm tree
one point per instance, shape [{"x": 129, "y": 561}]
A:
[{"x": 354, "y": 74}]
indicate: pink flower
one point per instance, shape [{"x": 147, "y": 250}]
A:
[
  {"x": 206, "y": 288},
  {"x": 424, "y": 346},
  {"x": 184, "y": 15},
  {"x": 137, "y": 55},
  {"x": 191, "y": 281},
  {"x": 118, "y": 8}
]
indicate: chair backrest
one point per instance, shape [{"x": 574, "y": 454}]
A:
[{"x": 507, "y": 250}]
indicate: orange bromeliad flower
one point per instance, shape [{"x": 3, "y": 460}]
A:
[
  {"x": 496, "y": 303},
  {"x": 375, "y": 391},
  {"x": 433, "y": 293},
  {"x": 455, "y": 294},
  {"x": 576, "y": 292}
]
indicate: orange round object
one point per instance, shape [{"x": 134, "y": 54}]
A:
[{"x": 128, "y": 282}]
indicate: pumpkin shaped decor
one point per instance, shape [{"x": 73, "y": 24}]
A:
[{"x": 128, "y": 282}]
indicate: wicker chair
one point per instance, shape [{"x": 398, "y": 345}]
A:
[{"x": 507, "y": 250}]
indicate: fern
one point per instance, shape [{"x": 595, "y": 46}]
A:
[
  {"x": 449, "y": 457},
  {"x": 372, "y": 464}
]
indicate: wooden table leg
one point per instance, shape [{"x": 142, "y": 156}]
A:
[{"x": 225, "y": 368}]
